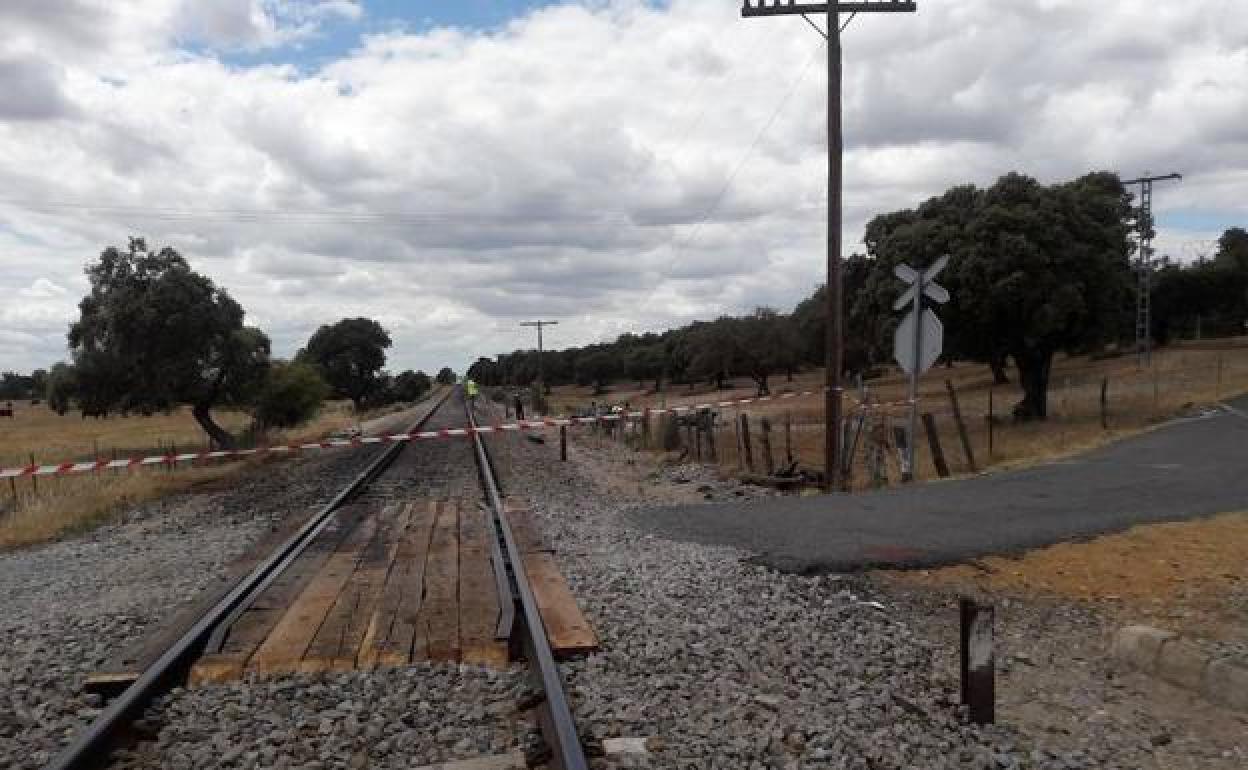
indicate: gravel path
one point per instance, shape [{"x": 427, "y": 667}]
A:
[
  {"x": 392, "y": 718},
  {"x": 719, "y": 662},
  {"x": 69, "y": 606}
]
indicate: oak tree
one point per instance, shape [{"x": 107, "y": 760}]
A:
[{"x": 153, "y": 334}]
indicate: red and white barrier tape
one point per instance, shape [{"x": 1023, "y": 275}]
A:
[{"x": 90, "y": 466}]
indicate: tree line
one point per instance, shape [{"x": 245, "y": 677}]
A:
[
  {"x": 152, "y": 334},
  {"x": 1035, "y": 270}
]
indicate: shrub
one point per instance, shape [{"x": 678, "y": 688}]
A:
[{"x": 292, "y": 394}]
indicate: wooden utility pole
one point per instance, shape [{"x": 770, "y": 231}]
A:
[
  {"x": 833, "y": 353},
  {"x": 541, "y": 377}
]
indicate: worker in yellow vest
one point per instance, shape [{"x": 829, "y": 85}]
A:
[{"x": 470, "y": 388}]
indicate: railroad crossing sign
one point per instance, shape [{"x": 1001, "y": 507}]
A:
[
  {"x": 920, "y": 336},
  {"x": 919, "y": 339},
  {"x": 931, "y": 342}
]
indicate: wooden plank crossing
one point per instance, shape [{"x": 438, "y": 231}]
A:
[{"x": 389, "y": 586}]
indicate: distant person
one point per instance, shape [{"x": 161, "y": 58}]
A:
[
  {"x": 470, "y": 388},
  {"x": 519, "y": 408}
]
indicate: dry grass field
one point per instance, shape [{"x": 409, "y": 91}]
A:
[
  {"x": 36, "y": 510},
  {"x": 1182, "y": 377},
  {"x": 1186, "y": 575}
]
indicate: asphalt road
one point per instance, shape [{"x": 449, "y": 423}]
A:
[{"x": 1184, "y": 469}]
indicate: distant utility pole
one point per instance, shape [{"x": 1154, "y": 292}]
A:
[
  {"x": 541, "y": 378},
  {"x": 834, "y": 350},
  {"x": 1144, "y": 282}
]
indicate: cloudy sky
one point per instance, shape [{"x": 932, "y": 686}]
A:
[{"x": 452, "y": 168}]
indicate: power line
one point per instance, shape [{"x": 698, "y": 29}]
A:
[{"x": 745, "y": 157}]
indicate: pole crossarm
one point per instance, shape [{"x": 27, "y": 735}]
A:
[
  {"x": 785, "y": 8},
  {"x": 1143, "y": 179}
]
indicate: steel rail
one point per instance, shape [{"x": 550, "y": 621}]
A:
[
  {"x": 555, "y": 716},
  {"x": 92, "y": 747}
]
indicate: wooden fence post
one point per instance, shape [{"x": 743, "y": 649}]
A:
[
  {"x": 769, "y": 462},
  {"x": 34, "y": 480},
  {"x": 736, "y": 428},
  {"x": 563, "y": 443},
  {"x": 645, "y": 428},
  {"x": 745, "y": 442},
  {"x": 706, "y": 419},
  {"x": 788, "y": 438},
  {"x": 991, "y": 421},
  {"x": 1104, "y": 403},
  {"x": 933, "y": 442},
  {"x": 695, "y": 439},
  {"x": 1217, "y": 387},
  {"x": 962, "y": 434}
]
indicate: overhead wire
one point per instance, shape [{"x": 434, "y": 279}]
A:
[{"x": 745, "y": 157}]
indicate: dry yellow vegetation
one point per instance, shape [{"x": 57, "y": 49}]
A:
[
  {"x": 1176, "y": 575},
  {"x": 37, "y": 510}
]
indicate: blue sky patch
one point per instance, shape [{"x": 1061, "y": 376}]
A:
[{"x": 338, "y": 37}]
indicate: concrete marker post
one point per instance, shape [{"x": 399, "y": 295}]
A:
[{"x": 978, "y": 665}]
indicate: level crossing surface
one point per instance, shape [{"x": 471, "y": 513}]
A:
[{"x": 1184, "y": 469}]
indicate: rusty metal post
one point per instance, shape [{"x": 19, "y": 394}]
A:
[{"x": 978, "y": 666}]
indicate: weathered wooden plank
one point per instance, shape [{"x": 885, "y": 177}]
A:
[
  {"x": 254, "y": 625},
  {"x": 478, "y": 592},
  {"x": 524, "y": 528},
  {"x": 371, "y": 581},
  {"x": 286, "y": 644},
  {"x": 437, "y": 624},
  {"x": 388, "y": 638},
  {"x": 567, "y": 628},
  {"x": 369, "y": 571}
]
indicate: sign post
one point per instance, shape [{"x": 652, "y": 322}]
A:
[{"x": 919, "y": 339}]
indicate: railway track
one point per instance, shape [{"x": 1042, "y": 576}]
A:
[{"x": 438, "y": 470}]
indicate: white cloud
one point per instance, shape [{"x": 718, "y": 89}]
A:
[
  {"x": 450, "y": 183},
  {"x": 42, "y": 288}
]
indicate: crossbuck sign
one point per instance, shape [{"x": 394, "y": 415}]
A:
[{"x": 919, "y": 339}]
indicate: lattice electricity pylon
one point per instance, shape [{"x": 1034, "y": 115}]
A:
[{"x": 1144, "y": 267}]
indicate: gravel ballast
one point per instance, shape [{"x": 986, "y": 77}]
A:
[
  {"x": 70, "y": 606},
  {"x": 719, "y": 662}
]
